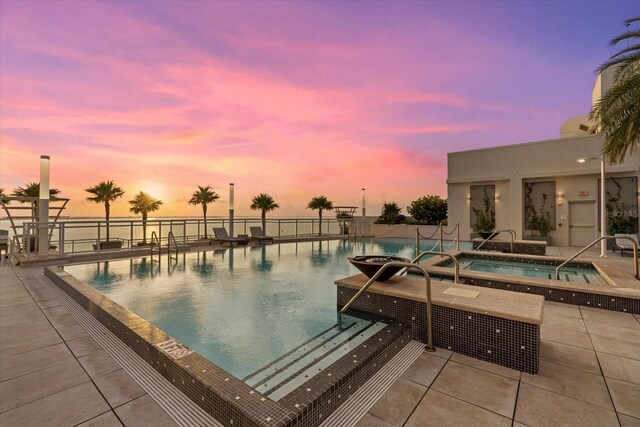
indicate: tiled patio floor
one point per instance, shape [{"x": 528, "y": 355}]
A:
[
  {"x": 53, "y": 373},
  {"x": 589, "y": 376}
]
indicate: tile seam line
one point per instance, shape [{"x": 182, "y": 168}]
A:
[
  {"x": 355, "y": 407},
  {"x": 430, "y": 386},
  {"x": 606, "y": 384},
  {"x": 72, "y": 353},
  {"x": 175, "y": 402}
]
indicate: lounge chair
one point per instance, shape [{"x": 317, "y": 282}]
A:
[
  {"x": 258, "y": 234},
  {"x": 223, "y": 237},
  {"x": 624, "y": 244}
]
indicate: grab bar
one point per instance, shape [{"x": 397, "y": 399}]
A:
[
  {"x": 456, "y": 263},
  {"x": 635, "y": 254},
  {"x": 171, "y": 238},
  {"x": 154, "y": 240},
  {"x": 429, "y": 346},
  {"x": 506, "y": 230}
]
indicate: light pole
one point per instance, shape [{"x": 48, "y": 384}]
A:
[
  {"x": 364, "y": 211},
  {"x": 43, "y": 207},
  {"x": 603, "y": 208},
  {"x": 231, "y": 207}
]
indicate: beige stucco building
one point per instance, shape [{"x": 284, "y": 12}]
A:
[{"x": 517, "y": 182}]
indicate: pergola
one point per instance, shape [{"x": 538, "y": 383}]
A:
[
  {"x": 21, "y": 210},
  {"x": 345, "y": 215}
]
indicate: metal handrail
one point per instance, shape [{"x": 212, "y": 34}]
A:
[
  {"x": 456, "y": 263},
  {"x": 429, "y": 346},
  {"x": 171, "y": 238},
  {"x": 635, "y": 254},
  {"x": 506, "y": 230},
  {"x": 154, "y": 240}
]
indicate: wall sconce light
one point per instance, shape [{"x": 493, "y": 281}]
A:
[
  {"x": 497, "y": 197},
  {"x": 560, "y": 197}
]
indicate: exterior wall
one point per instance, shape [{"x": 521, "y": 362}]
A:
[{"x": 509, "y": 166}]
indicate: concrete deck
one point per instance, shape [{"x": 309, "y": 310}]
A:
[{"x": 53, "y": 373}]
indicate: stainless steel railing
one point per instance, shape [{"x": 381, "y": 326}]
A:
[
  {"x": 456, "y": 263},
  {"x": 171, "y": 239},
  {"x": 366, "y": 286},
  {"x": 583, "y": 250},
  {"x": 505, "y": 230},
  {"x": 154, "y": 242}
]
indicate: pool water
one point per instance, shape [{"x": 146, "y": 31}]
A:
[
  {"x": 240, "y": 308},
  {"x": 515, "y": 268}
]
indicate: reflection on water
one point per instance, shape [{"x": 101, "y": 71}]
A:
[{"x": 240, "y": 307}]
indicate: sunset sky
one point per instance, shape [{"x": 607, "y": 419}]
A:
[{"x": 291, "y": 98}]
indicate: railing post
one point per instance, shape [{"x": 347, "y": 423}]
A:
[
  {"x": 441, "y": 246},
  {"x": 184, "y": 231},
  {"x": 458, "y": 236},
  {"x": 279, "y": 229},
  {"x": 61, "y": 239},
  {"x": 313, "y": 231},
  {"x": 417, "y": 240},
  {"x": 130, "y": 234},
  {"x": 99, "y": 239},
  {"x": 296, "y": 229}
]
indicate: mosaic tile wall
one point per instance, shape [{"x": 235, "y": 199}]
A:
[
  {"x": 587, "y": 299},
  {"x": 501, "y": 341},
  {"x": 518, "y": 247},
  {"x": 226, "y": 398}
]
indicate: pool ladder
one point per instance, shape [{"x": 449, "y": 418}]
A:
[
  {"x": 171, "y": 240},
  {"x": 581, "y": 251}
]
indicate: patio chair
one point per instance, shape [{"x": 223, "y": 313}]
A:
[
  {"x": 258, "y": 234},
  {"x": 223, "y": 237},
  {"x": 624, "y": 244}
]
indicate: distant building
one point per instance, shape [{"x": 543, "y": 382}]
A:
[{"x": 519, "y": 184}]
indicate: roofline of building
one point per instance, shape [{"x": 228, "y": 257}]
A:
[{"x": 520, "y": 144}]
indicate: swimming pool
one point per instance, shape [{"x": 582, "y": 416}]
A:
[
  {"x": 530, "y": 269},
  {"x": 242, "y": 308}
]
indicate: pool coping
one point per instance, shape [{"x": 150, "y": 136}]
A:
[
  {"x": 622, "y": 293},
  {"x": 222, "y": 395},
  {"x": 620, "y": 282}
]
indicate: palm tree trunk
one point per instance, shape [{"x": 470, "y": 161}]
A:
[
  {"x": 144, "y": 229},
  {"x": 264, "y": 221},
  {"x": 204, "y": 213},
  {"x": 106, "y": 214}
]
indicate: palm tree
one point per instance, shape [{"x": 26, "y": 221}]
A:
[
  {"x": 203, "y": 196},
  {"x": 618, "y": 111},
  {"x": 143, "y": 203},
  {"x": 3, "y": 196},
  {"x": 265, "y": 203},
  {"x": 105, "y": 192},
  {"x": 321, "y": 203},
  {"x": 32, "y": 189}
]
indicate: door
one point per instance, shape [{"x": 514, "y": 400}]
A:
[{"x": 582, "y": 223}]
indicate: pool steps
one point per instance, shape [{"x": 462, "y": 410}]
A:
[
  {"x": 295, "y": 368},
  {"x": 330, "y": 337}
]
